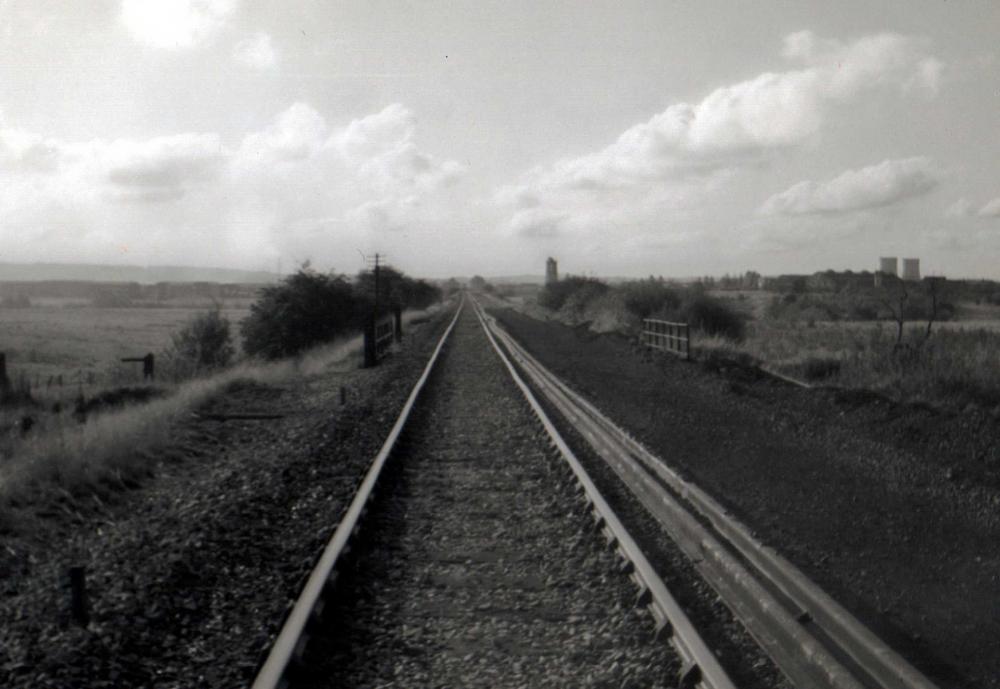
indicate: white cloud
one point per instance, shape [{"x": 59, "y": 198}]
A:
[
  {"x": 884, "y": 184},
  {"x": 991, "y": 209},
  {"x": 175, "y": 24},
  {"x": 674, "y": 154},
  {"x": 163, "y": 168},
  {"x": 960, "y": 209},
  {"x": 296, "y": 187},
  {"x": 257, "y": 52}
]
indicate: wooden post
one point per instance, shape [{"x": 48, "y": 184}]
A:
[
  {"x": 4, "y": 380},
  {"x": 370, "y": 356},
  {"x": 397, "y": 323},
  {"x": 148, "y": 367},
  {"x": 79, "y": 610}
]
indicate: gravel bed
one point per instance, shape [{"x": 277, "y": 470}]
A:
[
  {"x": 190, "y": 571},
  {"x": 742, "y": 658},
  {"x": 479, "y": 567},
  {"x": 893, "y": 509}
]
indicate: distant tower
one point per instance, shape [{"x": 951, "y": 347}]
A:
[
  {"x": 911, "y": 268},
  {"x": 887, "y": 265},
  {"x": 551, "y": 271}
]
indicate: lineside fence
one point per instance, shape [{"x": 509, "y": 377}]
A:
[
  {"x": 380, "y": 334},
  {"x": 667, "y": 336}
]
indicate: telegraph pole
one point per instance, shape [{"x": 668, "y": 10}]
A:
[{"x": 376, "y": 284}]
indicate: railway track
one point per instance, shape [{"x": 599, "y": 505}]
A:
[
  {"x": 462, "y": 560},
  {"x": 813, "y": 639},
  {"x": 475, "y": 564}
]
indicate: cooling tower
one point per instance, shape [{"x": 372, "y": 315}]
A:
[{"x": 888, "y": 265}]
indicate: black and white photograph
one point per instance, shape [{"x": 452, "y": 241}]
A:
[{"x": 631, "y": 344}]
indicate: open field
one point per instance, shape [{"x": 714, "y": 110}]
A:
[
  {"x": 84, "y": 344},
  {"x": 956, "y": 365}
]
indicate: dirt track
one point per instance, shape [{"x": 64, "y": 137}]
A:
[{"x": 911, "y": 548}]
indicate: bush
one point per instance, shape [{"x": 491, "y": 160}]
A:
[
  {"x": 304, "y": 310},
  {"x": 820, "y": 367},
  {"x": 555, "y": 294},
  {"x": 644, "y": 298},
  {"x": 205, "y": 342},
  {"x": 395, "y": 290},
  {"x": 712, "y": 316}
]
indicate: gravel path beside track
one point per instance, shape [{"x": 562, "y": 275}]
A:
[
  {"x": 479, "y": 568},
  {"x": 880, "y": 525}
]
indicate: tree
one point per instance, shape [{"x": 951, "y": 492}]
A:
[
  {"x": 302, "y": 311},
  {"x": 204, "y": 343},
  {"x": 913, "y": 301}
]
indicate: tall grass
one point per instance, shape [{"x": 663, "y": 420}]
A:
[
  {"x": 954, "y": 366},
  {"x": 117, "y": 447}
]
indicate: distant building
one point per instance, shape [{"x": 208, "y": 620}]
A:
[
  {"x": 887, "y": 266},
  {"x": 911, "y": 268},
  {"x": 551, "y": 271}
]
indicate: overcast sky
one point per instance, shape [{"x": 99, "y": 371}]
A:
[{"x": 623, "y": 138}]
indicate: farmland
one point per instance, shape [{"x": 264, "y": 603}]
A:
[{"x": 84, "y": 344}]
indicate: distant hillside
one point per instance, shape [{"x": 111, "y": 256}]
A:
[{"x": 36, "y": 272}]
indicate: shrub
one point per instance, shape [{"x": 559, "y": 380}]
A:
[
  {"x": 396, "y": 290},
  {"x": 304, "y": 310},
  {"x": 576, "y": 303},
  {"x": 820, "y": 367},
  {"x": 712, "y": 316},
  {"x": 555, "y": 294},
  {"x": 647, "y": 297},
  {"x": 205, "y": 342}
]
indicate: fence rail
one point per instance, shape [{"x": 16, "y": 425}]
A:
[
  {"x": 667, "y": 337},
  {"x": 384, "y": 330}
]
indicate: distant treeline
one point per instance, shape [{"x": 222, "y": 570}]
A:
[
  {"x": 125, "y": 293},
  {"x": 623, "y": 306}
]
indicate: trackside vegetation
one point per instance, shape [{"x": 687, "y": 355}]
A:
[
  {"x": 916, "y": 341},
  {"x": 110, "y": 437},
  {"x": 310, "y": 308}
]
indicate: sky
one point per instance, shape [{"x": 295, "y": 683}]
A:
[{"x": 668, "y": 137}]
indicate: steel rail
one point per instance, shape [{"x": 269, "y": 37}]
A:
[
  {"x": 290, "y": 642},
  {"x": 700, "y": 666},
  {"x": 781, "y": 623}
]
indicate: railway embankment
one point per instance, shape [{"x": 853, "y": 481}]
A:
[
  {"x": 870, "y": 499},
  {"x": 188, "y": 572}
]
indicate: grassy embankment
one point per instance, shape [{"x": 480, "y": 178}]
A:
[
  {"x": 957, "y": 365},
  {"x": 62, "y": 456}
]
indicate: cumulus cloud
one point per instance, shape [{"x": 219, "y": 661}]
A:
[
  {"x": 175, "y": 24},
  {"x": 991, "y": 209},
  {"x": 296, "y": 187},
  {"x": 884, "y": 184},
  {"x": 162, "y": 168},
  {"x": 257, "y": 52},
  {"x": 691, "y": 143}
]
